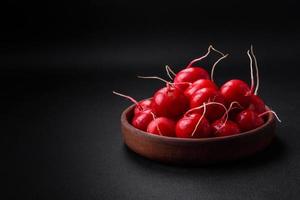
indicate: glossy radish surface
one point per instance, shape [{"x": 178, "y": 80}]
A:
[
  {"x": 205, "y": 95},
  {"x": 221, "y": 128},
  {"x": 248, "y": 120},
  {"x": 186, "y": 126},
  {"x": 236, "y": 90},
  {"x": 199, "y": 84},
  {"x": 142, "y": 119},
  {"x": 169, "y": 102},
  {"x": 143, "y": 105},
  {"x": 190, "y": 75},
  {"x": 162, "y": 126}
]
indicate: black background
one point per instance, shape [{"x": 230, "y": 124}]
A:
[{"x": 61, "y": 60}]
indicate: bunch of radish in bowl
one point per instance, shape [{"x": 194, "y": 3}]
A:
[{"x": 192, "y": 105}]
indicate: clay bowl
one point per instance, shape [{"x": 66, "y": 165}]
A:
[{"x": 186, "y": 151}]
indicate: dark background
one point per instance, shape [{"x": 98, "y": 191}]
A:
[{"x": 60, "y": 61}]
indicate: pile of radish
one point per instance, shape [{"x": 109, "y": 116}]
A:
[{"x": 192, "y": 105}]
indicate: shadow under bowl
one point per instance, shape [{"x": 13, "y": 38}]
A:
[{"x": 199, "y": 151}]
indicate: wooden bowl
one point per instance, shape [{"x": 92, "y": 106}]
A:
[{"x": 193, "y": 151}]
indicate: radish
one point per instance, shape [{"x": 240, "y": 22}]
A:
[
  {"x": 190, "y": 75},
  {"x": 199, "y": 84},
  {"x": 206, "y": 95},
  {"x": 162, "y": 126},
  {"x": 236, "y": 90},
  {"x": 220, "y": 128},
  {"x": 225, "y": 127},
  {"x": 186, "y": 126},
  {"x": 257, "y": 104},
  {"x": 144, "y": 104},
  {"x": 193, "y": 125},
  {"x": 143, "y": 113},
  {"x": 142, "y": 119},
  {"x": 248, "y": 120},
  {"x": 169, "y": 101}
]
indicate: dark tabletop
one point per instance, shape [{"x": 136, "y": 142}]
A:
[{"x": 61, "y": 121}]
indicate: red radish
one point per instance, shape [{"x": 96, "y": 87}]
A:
[
  {"x": 142, "y": 119},
  {"x": 205, "y": 95},
  {"x": 221, "y": 128},
  {"x": 190, "y": 75},
  {"x": 162, "y": 126},
  {"x": 248, "y": 120},
  {"x": 169, "y": 102},
  {"x": 193, "y": 125},
  {"x": 143, "y": 105},
  {"x": 257, "y": 104},
  {"x": 139, "y": 106},
  {"x": 186, "y": 125},
  {"x": 225, "y": 127},
  {"x": 236, "y": 90},
  {"x": 199, "y": 84}
]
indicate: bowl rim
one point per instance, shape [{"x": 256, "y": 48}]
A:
[{"x": 124, "y": 122}]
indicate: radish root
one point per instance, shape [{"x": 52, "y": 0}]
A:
[
  {"x": 154, "y": 117},
  {"x": 130, "y": 98},
  {"x": 215, "y": 64},
  {"x": 251, "y": 71},
  {"x": 256, "y": 68},
  {"x": 165, "y": 81},
  {"x": 196, "y": 127},
  {"x": 207, "y": 104},
  {"x": 228, "y": 110},
  {"x": 169, "y": 70},
  {"x": 155, "y": 77},
  {"x": 270, "y": 111},
  {"x": 205, "y": 55}
]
